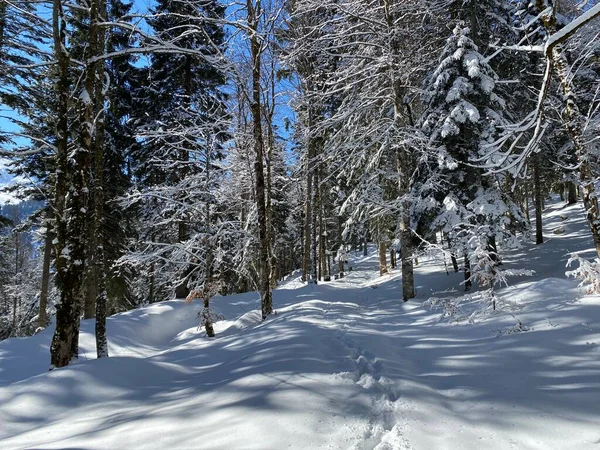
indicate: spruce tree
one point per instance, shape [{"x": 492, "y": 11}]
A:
[
  {"x": 181, "y": 121},
  {"x": 463, "y": 118}
]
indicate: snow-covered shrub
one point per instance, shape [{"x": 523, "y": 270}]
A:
[
  {"x": 206, "y": 316},
  {"x": 475, "y": 307},
  {"x": 451, "y": 307},
  {"x": 587, "y": 271},
  {"x": 489, "y": 275},
  {"x": 516, "y": 328}
]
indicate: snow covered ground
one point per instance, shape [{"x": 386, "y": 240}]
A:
[{"x": 342, "y": 365}]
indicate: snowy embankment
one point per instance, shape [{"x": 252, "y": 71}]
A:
[{"x": 343, "y": 365}]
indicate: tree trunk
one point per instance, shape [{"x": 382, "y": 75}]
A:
[
  {"x": 182, "y": 290},
  {"x": 537, "y": 193},
  {"x": 403, "y": 156},
  {"x": 99, "y": 266},
  {"x": 314, "y": 260},
  {"x": 307, "y": 225},
  {"x": 45, "y": 288},
  {"x": 306, "y": 272},
  {"x": 254, "y": 13},
  {"x": 454, "y": 262},
  {"x": 322, "y": 237},
  {"x": 406, "y": 254},
  {"x": 574, "y": 127},
  {"x": 13, "y": 328},
  {"x": 340, "y": 247},
  {"x": 89, "y": 305},
  {"x": 527, "y": 202},
  {"x": 468, "y": 283},
  {"x": 151, "y": 298},
  {"x": 571, "y": 193},
  {"x": 561, "y": 191},
  {"x": 208, "y": 325},
  {"x": 270, "y": 224},
  {"x": 382, "y": 258},
  {"x": 91, "y": 276},
  {"x": 17, "y": 269},
  {"x": 452, "y": 255},
  {"x": 70, "y": 211},
  {"x": 574, "y": 123},
  {"x": 269, "y": 114},
  {"x": 492, "y": 249}
]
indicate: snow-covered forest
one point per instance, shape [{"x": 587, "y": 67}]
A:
[{"x": 299, "y": 223}]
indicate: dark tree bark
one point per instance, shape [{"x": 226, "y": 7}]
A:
[
  {"x": 17, "y": 268},
  {"x": 323, "y": 272},
  {"x": 151, "y": 296},
  {"x": 340, "y": 244},
  {"x": 526, "y": 207},
  {"x": 537, "y": 192},
  {"x": 454, "y": 262},
  {"x": 269, "y": 113},
  {"x": 45, "y": 288},
  {"x": 382, "y": 258},
  {"x": 182, "y": 290},
  {"x": 308, "y": 206},
  {"x": 254, "y": 12},
  {"x": 307, "y": 222},
  {"x": 406, "y": 255},
  {"x": 467, "y": 263},
  {"x": 492, "y": 249},
  {"x": 452, "y": 255},
  {"x": 561, "y": 191},
  {"x": 70, "y": 248},
  {"x": 89, "y": 304},
  {"x": 402, "y": 111},
  {"x": 3, "y": 7},
  {"x": 571, "y": 193},
  {"x": 314, "y": 260},
  {"x": 99, "y": 14},
  {"x": 208, "y": 325}
]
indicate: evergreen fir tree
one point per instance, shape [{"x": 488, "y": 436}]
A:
[
  {"x": 462, "y": 119},
  {"x": 182, "y": 122}
]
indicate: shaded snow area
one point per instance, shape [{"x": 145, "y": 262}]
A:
[{"x": 342, "y": 365}]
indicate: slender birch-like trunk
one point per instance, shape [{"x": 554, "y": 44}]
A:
[{"x": 557, "y": 60}]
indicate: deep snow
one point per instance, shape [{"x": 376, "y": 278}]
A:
[{"x": 342, "y": 365}]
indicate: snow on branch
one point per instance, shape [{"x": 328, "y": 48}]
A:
[
  {"x": 587, "y": 271},
  {"x": 498, "y": 160},
  {"x": 566, "y": 32}
]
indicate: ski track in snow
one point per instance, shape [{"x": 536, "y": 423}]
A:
[{"x": 341, "y": 365}]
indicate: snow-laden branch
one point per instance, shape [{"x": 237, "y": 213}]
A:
[
  {"x": 535, "y": 120},
  {"x": 566, "y": 32}
]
